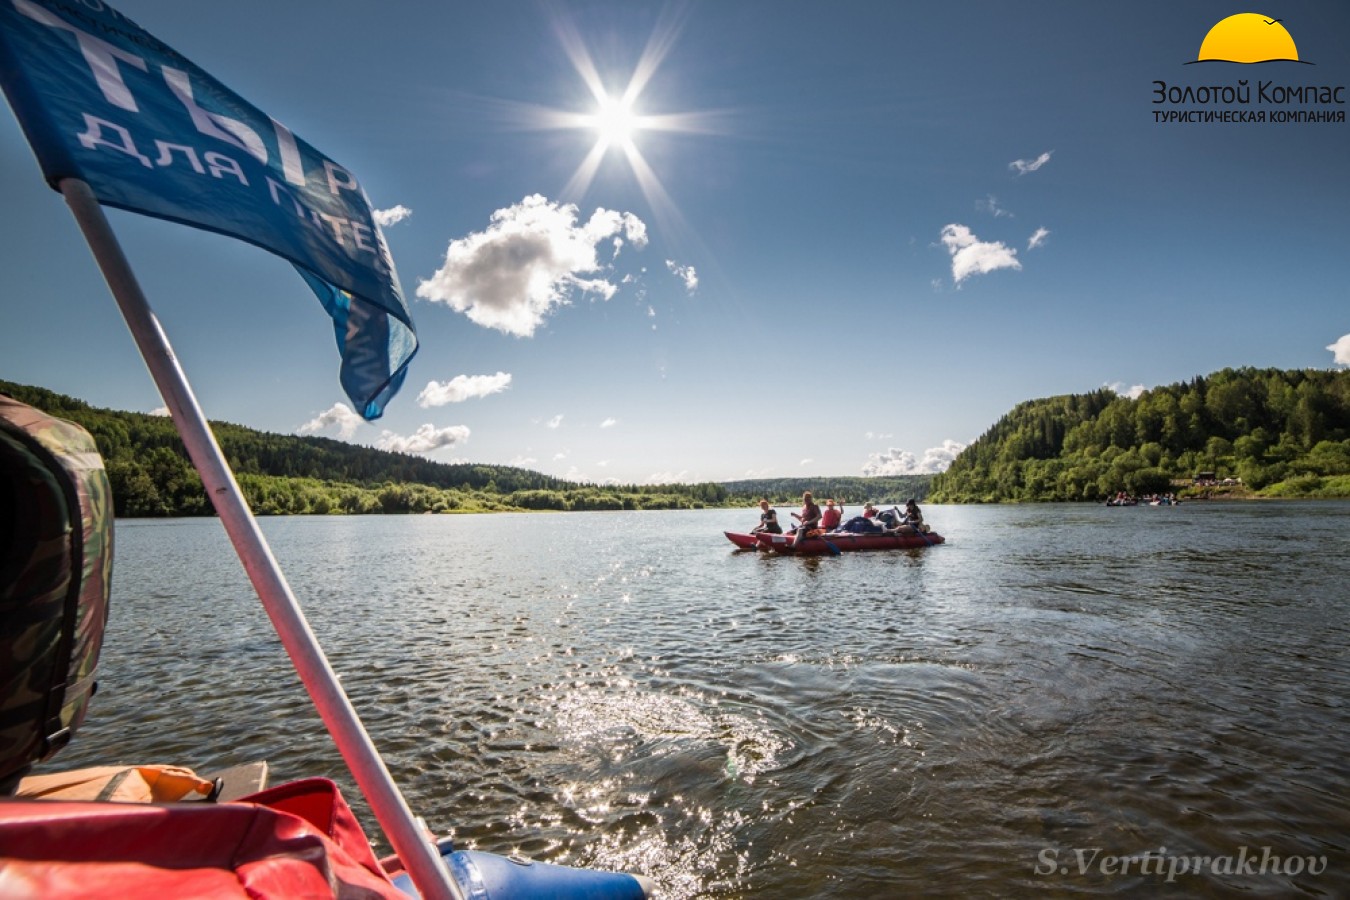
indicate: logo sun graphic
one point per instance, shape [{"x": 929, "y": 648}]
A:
[{"x": 1248, "y": 38}]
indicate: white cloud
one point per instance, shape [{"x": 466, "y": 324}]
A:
[
  {"x": 386, "y": 217},
  {"x": 160, "y": 411},
  {"x": 555, "y": 421},
  {"x": 902, "y": 462},
  {"x": 990, "y": 205},
  {"x": 426, "y": 439},
  {"x": 524, "y": 462},
  {"x": 609, "y": 423},
  {"x": 668, "y": 477},
  {"x": 1038, "y": 238},
  {"x": 806, "y": 462},
  {"x": 1023, "y": 166},
  {"x": 340, "y": 414},
  {"x": 531, "y": 258},
  {"x": 1133, "y": 392},
  {"x": 461, "y": 388},
  {"x": 1341, "y": 350},
  {"x": 971, "y": 256},
  {"x": 685, "y": 274}
]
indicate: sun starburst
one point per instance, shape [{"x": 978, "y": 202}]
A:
[{"x": 618, "y": 119}]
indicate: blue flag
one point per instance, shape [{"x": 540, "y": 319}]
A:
[{"x": 101, "y": 100}]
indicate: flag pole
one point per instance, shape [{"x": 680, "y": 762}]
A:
[{"x": 417, "y": 854}]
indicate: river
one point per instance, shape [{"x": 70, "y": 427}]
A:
[{"x": 1066, "y": 699}]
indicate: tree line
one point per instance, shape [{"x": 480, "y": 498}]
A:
[
  {"x": 151, "y": 475},
  {"x": 850, "y": 490},
  {"x": 1277, "y": 433}
]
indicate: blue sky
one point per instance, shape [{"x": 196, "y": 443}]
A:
[{"x": 848, "y": 239}]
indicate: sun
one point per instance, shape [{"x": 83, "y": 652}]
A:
[
  {"x": 1248, "y": 38},
  {"x": 620, "y": 120},
  {"x": 615, "y": 121}
]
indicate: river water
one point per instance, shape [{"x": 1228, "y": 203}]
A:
[{"x": 1065, "y": 699}]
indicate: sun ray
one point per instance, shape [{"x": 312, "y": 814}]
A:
[
  {"x": 667, "y": 213},
  {"x": 576, "y": 51},
  {"x": 581, "y": 179},
  {"x": 663, "y": 37}
]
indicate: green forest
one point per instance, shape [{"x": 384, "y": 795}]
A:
[
  {"x": 151, "y": 475},
  {"x": 1268, "y": 432}
]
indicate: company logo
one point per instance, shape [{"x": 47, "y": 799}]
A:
[
  {"x": 1249, "y": 38},
  {"x": 1280, "y": 94}
]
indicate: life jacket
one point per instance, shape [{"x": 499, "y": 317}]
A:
[{"x": 123, "y": 784}]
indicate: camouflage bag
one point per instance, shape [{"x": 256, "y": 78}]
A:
[{"x": 56, "y": 533}]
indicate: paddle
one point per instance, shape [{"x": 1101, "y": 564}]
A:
[{"x": 917, "y": 527}]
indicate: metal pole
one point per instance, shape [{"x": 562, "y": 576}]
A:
[{"x": 418, "y": 854}]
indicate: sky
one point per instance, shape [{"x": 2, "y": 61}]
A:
[{"x": 654, "y": 242}]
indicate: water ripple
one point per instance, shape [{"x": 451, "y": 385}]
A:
[{"x": 628, "y": 693}]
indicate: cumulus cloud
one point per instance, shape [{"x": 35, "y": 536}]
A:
[
  {"x": 532, "y": 257},
  {"x": 1341, "y": 350},
  {"x": 160, "y": 411},
  {"x": 902, "y": 462},
  {"x": 461, "y": 388},
  {"x": 609, "y": 423},
  {"x": 386, "y": 217},
  {"x": 971, "y": 256},
  {"x": 1133, "y": 391},
  {"x": 426, "y": 439},
  {"x": 1023, "y": 166},
  {"x": 340, "y": 414},
  {"x": 1038, "y": 238},
  {"x": 555, "y": 421},
  {"x": 685, "y": 274}
]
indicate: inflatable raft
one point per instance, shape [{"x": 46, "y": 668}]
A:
[{"x": 840, "y": 542}]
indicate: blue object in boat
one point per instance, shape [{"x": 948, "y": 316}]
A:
[{"x": 487, "y": 876}]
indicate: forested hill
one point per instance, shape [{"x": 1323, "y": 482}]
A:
[
  {"x": 284, "y": 474},
  {"x": 1280, "y": 433}
]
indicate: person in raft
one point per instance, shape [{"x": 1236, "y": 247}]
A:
[
  {"x": 912, "y": 521},
  {"x": 869, "y": 510},
  {"x": 833, "y": 515},
  {"x": 768, "y": 520},
  {"x": 808, "y": 518}
]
